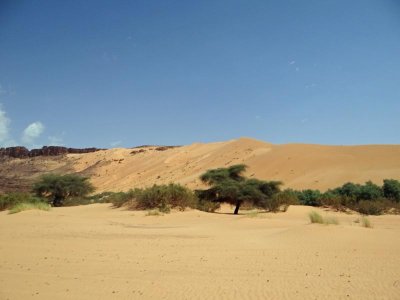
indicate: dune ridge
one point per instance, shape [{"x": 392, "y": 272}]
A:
[{"x": 299, "y": 166}]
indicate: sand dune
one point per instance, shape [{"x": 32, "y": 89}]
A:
[
  {"x": 96, "y": 252},
  {"x": 297, "y": 165}
]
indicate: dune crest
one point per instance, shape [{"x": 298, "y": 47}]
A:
[{"x": 299, "y": 166}]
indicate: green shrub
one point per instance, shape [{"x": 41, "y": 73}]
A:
[
  {"x": 282, "y": 200},
  {"x": 365, "y": 222},
  {"x": 7, "y": 201},
  {"x": 29, "y": 206},
  {"x": 316, "y": 217},
  {"x": 123, "y": 198},
  {"x": 349, "y": 189},
  {"x": 309, "y": 197},
  {"x": 368, "y": 207},
  {"x": 165, "y": 197},
  {"x": 208, "y": 206},
  {"x": 391, "y": 189},
  {"x": 370, "y": 191}
]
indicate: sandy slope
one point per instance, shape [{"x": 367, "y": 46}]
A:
[
  {"x": 96, "y": 252},
  {"x": 297, "y": 165}
]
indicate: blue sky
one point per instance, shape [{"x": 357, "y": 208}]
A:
[{"x": 125, "y": 73}]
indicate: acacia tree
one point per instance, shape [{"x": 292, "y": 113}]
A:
[
  {"x": 57, "y": 188},
  {"x": 230, "y": 186}
]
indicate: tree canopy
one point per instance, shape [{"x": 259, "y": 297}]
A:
[
  {"x": 230, "y": 186},
  {"x": 57, "y": 188},
  {"x": 391, "y": 189}
]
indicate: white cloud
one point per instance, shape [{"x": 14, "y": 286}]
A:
[
  {"x": 32, "y": 132},
  {"x": 292, "y": 62},
  {"x": 4, "y": 127}
]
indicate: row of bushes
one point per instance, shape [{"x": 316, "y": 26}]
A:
[
  {"x": 226, "y": 185},
  {"x": 369, "y": 198}
]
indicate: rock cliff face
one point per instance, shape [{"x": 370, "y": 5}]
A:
[{"x": 22, "y": 152}]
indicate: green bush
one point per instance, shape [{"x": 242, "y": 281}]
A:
[
  {"x": 208, "y": 206},
  {"x": 391, "y": 189},
  {"x": 29, "y": 206},
  {"x": 332, "y": 200},
  {"x": 282, "y": 200},
  {"x": 368, "y": 207},
  {"x": 349, "y": 189},
  {"x": 370, "y": 191},
  {"x": 123, "y": 198},
  {"x": 165, "y": 197},
  {"x": 309, "y": 197},
  {"x": 365, "y": 222},
  {"x": 316, "y": 217},
  {"x": 8, "y": 201}
]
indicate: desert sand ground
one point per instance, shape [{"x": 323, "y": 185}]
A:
[{"x": 97, "y": 252}]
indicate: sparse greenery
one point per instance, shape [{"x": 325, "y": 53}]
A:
[
  {"x": 317, "y": 218},
  {"x": 365, "y": 222},
  {"x": 230, "y": 186},
  {"x": 8, "y": 201},
  {"x": 391, "y": 189},
  {"x": 282, "y": 200},
  {"x": 309, "y": 197},
  {"x": 369, "y": 207},
  {"x": 165, "y": 197},
  {"x": 123, "y": 198},
  {"x": 58, "y": 188},
  {"x": 226, "y": 185},
  {"x": 368, "y": 199},
  {"x": 207, "y": 206},
  {"x": 160, "y": 197},
  {"x": 29, "y": 206}
]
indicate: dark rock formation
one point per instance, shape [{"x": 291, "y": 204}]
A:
[
  {"x": 22, "y": 152},
  {"x": 14, "y": 152},
  {"x": 163, "y": 148}
]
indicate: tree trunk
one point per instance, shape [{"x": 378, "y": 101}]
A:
[{"x": 237, "y": 207}]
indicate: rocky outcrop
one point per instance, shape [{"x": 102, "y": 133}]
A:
[{"x": 22, "y": 152}]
